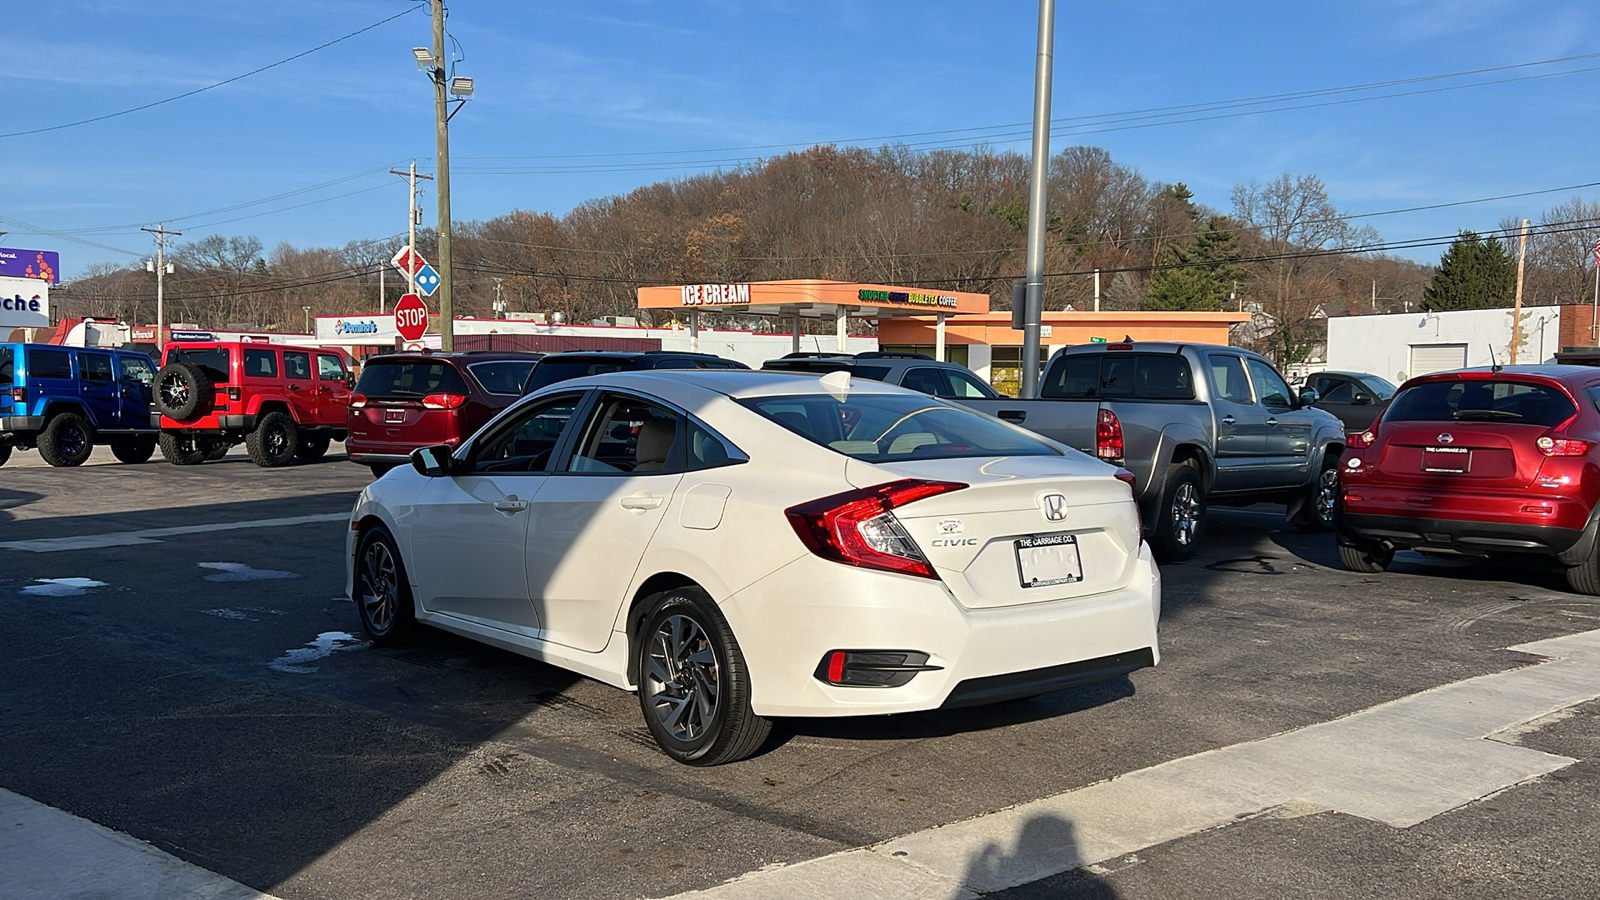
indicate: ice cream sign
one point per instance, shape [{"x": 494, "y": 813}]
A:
[{"x": 44, "y": 265}]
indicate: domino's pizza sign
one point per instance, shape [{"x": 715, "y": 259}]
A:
[{"x": 24, "y": 303}]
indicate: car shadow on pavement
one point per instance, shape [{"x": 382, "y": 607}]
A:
[
  {"x": 1047, "y": 843},
  {"x": 10, "y": 500}
]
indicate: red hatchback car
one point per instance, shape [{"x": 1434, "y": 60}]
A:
[
  {"x": 1479, "y": 461},
  {"x": 410, "y": 400}
]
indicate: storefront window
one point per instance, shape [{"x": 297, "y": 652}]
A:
[{"x": 1005, "y": 368}]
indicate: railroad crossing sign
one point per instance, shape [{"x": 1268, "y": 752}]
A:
[
  {"x": 411, "y": 317},
  {"x": 408, "y": 260},
  {"x": 427, "y": 280}
]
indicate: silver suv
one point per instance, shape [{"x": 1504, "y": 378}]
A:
[{"x": 946, "y": 380}]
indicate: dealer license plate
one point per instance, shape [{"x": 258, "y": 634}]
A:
[
  {"x": 394, "y": 416},
  {"x": 1046, "y": 559},
  {"x": 1446, "y": 459}
]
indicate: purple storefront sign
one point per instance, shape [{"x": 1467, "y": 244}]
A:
[{"x": 41, "y": 264}]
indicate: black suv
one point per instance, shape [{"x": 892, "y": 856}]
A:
[
  {"x": 946, "y": 380},
  {"x": 556, "y": 367}
]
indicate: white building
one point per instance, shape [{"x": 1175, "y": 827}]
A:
[{"x": 1405, "y": 345}]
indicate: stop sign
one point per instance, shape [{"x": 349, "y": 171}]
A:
[{"x": 411, "y": 317}]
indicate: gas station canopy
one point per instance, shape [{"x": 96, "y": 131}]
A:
[{"x": 813, "y": 298}]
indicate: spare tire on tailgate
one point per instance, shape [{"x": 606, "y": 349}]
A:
[{"x": 182, "y": 391}]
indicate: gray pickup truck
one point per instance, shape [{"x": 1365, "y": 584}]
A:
[{"x": 1195, "y": 424}]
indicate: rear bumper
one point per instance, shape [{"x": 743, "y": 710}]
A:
[
  {"x": 21, "y": 423},
  {"x": 239, "y": 423},
  {"x": 786, "y": 623},
  {"x": 1408, "y": 532},
  {"x": 364, "y": 456}
]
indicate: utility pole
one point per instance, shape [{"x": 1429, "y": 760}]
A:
[
  {"x": 1036, "y": 198},
  {"x": 161, "y": 232},
  {"x": 441, "y": 113},
  {"x": 1096, "y": 290},
  {"x": 1516, "y": 310},
  {"x": 411, "y": 227}
]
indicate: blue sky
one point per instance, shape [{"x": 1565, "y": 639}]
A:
[{"x": 586, "y": 99}]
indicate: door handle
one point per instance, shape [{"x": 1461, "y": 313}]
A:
[
  {"x": 641, "y": 501},
  {"x": 1013, "y": 415},
  {"x": 1272, "y": 421},
  {"x": 510, "y": 505},
  {"x": 1227, "y": 420}
]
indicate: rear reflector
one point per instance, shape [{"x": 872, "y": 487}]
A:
[
  {"x": 857, "y": 528},
  {"x": 872, "y": 668},
  {"x": 19, "y": 394}
]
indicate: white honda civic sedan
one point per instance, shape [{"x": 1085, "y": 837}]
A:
[{"x": 739, "y": 545}]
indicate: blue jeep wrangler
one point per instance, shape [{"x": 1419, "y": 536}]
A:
[{"x": 64, "y": 400}]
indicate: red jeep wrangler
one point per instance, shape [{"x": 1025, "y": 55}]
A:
[{"x": 282, "y": 401}]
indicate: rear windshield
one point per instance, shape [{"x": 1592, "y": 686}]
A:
[
  {"x": 212, "y": 360},
  {"x": 49, "y": 364},
  {"x": 822, "y": 365},
  {"x": 548, "y": 371},
  {"x": 891, "y": 427},
  {"x": 502, "y": 376},
  {"x": 1482, "y": 401},
  {"x": 409, "y": 378},
  {"x": 1147, "y": 376}
]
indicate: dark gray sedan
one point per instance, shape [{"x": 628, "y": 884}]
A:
[{"x": 1357, "y": 398}]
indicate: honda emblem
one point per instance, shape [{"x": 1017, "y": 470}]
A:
[{"x": 1054, "y": 506}]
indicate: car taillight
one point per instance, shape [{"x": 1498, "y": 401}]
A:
[
  {"x": 1126, "y": 477},
  {"x": 358, "y": 401},
  {"x": 19, "y": 394},
  {"x": 1550, "y": 446},
  {"x": 1107, "y": 435},
  {"x": 858, "y": 528},
  {"x": 444, "y": 401},
  {"x": 1361, "y": 441}
]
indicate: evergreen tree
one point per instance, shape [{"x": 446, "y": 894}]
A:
[
  {"x": 1475, "y": 273},
  {"x": 1202, "y": 273}
]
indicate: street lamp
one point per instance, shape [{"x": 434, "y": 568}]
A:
[{"x": 307, "y": 311}]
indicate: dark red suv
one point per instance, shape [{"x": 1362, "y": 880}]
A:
[
  {"x": 1479, "y": 461},
  {"x": 409, "y": 400}
]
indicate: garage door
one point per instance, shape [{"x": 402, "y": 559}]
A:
[{"x": 1427, "y": 358}]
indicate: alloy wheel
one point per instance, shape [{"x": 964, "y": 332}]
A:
[
  {"x": 681, "y": 678},
  {"x": 278, "y": 441},
  {"x": 1327, "y": 495},
  {"x": 70, "y": 442},
  {"x": 379, "y": 586},
  {"x": 1186, "y": 514}
]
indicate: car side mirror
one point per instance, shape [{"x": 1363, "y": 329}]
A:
[
  {"x": 1361, "y": 398},
  {"x": 350, "y": 381},
  {"x": 433, "y": 462},
  {"x": 1309, "y": 396}
]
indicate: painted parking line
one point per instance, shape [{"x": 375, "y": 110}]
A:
[
  {"x": 1400, "y": 763},
  {"x": 154, "y": 535},
  {"x": 47, "y": 854}
]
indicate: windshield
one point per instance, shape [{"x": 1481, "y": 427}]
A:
[
  {"x": 409, "y": 378},
  {"x": 1517, "y": 402},
  {"x": 1380, "y": 386},
  {"x": 894, "y": 427}
]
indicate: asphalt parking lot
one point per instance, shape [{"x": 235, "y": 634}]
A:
[{"x": 182, "y": 667}]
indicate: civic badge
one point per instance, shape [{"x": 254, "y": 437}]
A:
[
  {"x": 1054, "y": 506},
  {"x": 1446, "y": 438}
]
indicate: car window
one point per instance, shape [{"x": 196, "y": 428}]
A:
[
  {"x": 213, "y": 361},
  {"x": 398, "y": 378},
  {"x": 49, "y": 364},
  {"x": 259, "y": 363},
  {"x": 331, "y": 368},
  {"x": 137, "y": 370},
  {"x": 628, "y": 434},
  {"x": 967, "y": 387},
  {"x": 8, "y": 366},
  {"x": 296, "y": 365},
  {"x": 1150, "y": 376},
  {"x": 1227, "y": 379},
  {"x": 1337, "y": 392},
  {"x": 891, "y": 427},
  {"x": 1482, "y": 400},
  {"x": 502, "y": 376},
  {"x": 550, "y": 371},
  {"x": 1271, "y": 390},
  {"x": 1072, "y": 376},
  {"x": 708, "y": 450},
  {"x": 678, "y": 362},
  {"x": 925, "y": 380},
  {"x": 96, "y": 367},
  {"x": 526, "y": 441},
  {"x": 1380, "y": 387},
  {"x": 876, "y": 373}
]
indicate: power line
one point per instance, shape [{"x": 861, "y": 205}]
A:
[{"x": 201, "y": 90}]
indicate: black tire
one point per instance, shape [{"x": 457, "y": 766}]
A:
[
  {"x": 1584, "y": 578},
  {"x": 1180, "y": 522},
  {"x": 687, "y": 659},
  {"x": 273, "y": 442},
  {"x": 1365, "y": 558},
  {"x": 313, "y": 448},
  {"x": 5, "y": 453},
  {"x": 181, "y": 450},
  {"x": 383, "y": 595},
  {"x": 134, "y": 450},
  {"x": 182, "y": 391},
  {"x": 67, "y": 440},
  {"x": 1320, "y": 509}
]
